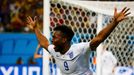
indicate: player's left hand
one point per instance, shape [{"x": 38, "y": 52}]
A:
[{"x": 121, "y": 15}]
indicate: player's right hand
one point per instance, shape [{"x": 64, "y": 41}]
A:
[{"x": 31, "y": 23}]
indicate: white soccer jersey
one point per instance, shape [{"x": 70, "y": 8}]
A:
[{"x": 75, "y": 61}]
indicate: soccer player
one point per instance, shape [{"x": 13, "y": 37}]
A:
[
  {"x": 108, "y": 62},
  {"x": 73, "y": 59}
]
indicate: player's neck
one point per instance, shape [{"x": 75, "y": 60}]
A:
[{"x": 65, "y": 48}]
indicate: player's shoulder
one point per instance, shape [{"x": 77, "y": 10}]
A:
[
  {"x": 76, "y": 46},
  {"x": 107, "y": 52},
  {"x": 80, "y": 44}
]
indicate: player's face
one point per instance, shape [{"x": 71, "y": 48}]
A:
[{"x": 58, "y": 39}]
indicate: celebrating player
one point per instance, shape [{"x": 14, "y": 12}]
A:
[{"x": 73, "y": 59}]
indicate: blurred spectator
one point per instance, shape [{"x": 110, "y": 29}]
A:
[
  {"x": 108, "y": 62},
  {"x": 14, "y": 12},
  {"x": 5, "y": 12},
  {"x": 31, "y": 61},
  {"x": 19, "y": 61},
  {"x": 1, "y": 28},
  {"x": 38, "y": 55}
]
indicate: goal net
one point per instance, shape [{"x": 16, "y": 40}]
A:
[{"x": 121, "y": 41}]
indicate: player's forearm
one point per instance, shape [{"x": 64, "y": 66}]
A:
[
  {"x": 37, "y": 56},
  {"x": 41, "y": 38},
  {"x": 104, "y": 33}
]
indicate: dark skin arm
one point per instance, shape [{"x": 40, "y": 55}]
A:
[
  {"x": 104, "y": 33},
  {"x": 41, "y": 38}
]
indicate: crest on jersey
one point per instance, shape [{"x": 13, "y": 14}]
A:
[{"x": 70, "y": 54}]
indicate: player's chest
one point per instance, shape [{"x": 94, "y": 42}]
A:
[{"x": 68, "y": 66}]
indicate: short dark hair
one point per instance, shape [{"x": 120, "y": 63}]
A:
[{"x": 67, "y": 31}]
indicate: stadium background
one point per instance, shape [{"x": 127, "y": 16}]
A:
[{"x": 18, "y": 43}]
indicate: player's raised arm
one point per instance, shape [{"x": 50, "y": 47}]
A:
[
  {"x": 104, "y": 33},
  {"x": 32, "y": 24}
]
